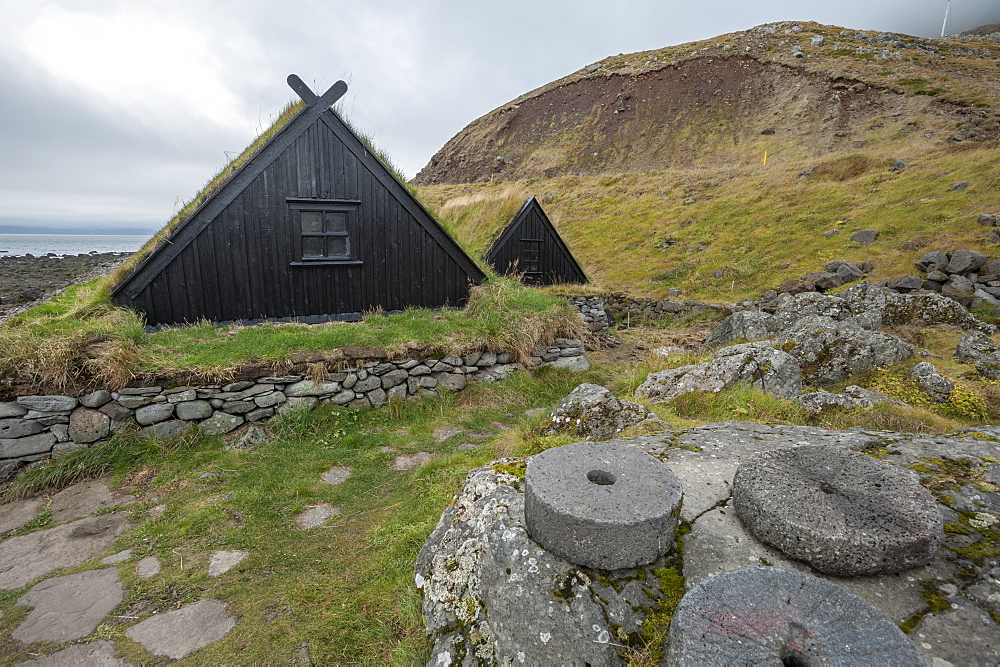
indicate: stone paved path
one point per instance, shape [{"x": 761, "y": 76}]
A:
[{"x": 72, "y": 606}]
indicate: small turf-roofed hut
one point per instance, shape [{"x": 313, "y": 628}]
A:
[
  {"x": 531, "y": 246},
  {"x": 314, "y": 224}
]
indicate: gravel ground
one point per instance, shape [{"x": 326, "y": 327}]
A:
[{"x": 25, "y": 281}]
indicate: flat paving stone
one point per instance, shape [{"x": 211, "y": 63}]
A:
[
  {"x": 842, "y": 512},
  {"x": 93, "y": 654},
  {"x": 28, "y": 557},
  {"x": 85, "y": 498},
  {"x": 441, "y": 433},
  {"x": 69, "y": 607},
  {"x": 16, "y": 514},
  {"x": 119, "y": 557},
  {"x": 773, "y": 616},
  {"x": 336, "y": 475},
  {"x": 223, "y": 561},
  {"x": 181, "y": 632},
  {"x": 148, "y": 567},
  {"x": 316, "y": 516},
  {"x": 405, "y": 462}
]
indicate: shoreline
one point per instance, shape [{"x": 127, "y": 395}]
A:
[{"x": 26, "y": 280}]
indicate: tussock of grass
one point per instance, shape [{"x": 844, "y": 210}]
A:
[{"x": 80, "y": 338}]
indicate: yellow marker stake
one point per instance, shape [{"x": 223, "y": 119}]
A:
[{"x": 765, "y": 158}]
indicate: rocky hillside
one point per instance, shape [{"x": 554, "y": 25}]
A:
[{"x": 812, "y": 88}]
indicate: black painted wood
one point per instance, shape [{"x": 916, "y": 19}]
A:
[
  {"x": 238, "y": 257},
  {"x": 530, "y": 228}
]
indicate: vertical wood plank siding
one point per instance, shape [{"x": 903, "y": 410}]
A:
[
  {"x": 240, "y": 264},
  {"x": 556, "y": 263}
]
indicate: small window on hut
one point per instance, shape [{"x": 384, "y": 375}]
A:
[
  {"x": 530, "y": 260},
  {"x": 323, "y": 231}
]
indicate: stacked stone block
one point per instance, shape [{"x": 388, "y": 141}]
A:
[{"x": 34, "y": 428}]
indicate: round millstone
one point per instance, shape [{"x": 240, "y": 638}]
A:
[
  {"x": 844, "y": 513},
  {"x": 773, "y": 616},
  {"x": 601, "y": 506}
]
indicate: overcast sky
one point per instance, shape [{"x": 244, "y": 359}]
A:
[{"x": 114, "y": 113}]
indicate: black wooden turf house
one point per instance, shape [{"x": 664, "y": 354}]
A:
[
  {"x": 314, "y": 224},
  {"x": 531, "y": 246}
]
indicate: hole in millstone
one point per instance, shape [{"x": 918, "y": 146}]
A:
[
  {"x": 793, "y": 658},
  {"x": 826, "y": 487},
  {"x": 602, "y": 477}
]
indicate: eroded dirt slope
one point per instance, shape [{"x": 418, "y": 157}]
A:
[{"x": 728, "y": 100}]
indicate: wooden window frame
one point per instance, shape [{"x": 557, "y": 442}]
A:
[
  {"x": 523, "y": 260},
  {"x": 348, "y": 206}
]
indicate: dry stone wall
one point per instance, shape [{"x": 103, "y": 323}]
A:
[{"x": 34, "y": 428}]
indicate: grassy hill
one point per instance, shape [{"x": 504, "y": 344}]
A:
[{"x": 664, "y": 167}]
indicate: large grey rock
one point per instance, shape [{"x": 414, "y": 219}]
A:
[
  {"x": 15, "y": 514},
  {"x": 85, "y": 498},
  {"x": 793, "y": 307},
  {"x": 958, "y": 287},
  {"x": 577, "y": 364},
  {"x": 875, "y": 306},
  {"x": 743, "y": 325},
  {"x": 168, "y": 430},
  {"x": 69, "y": 607},
  {"x": 394, "y": 378},
  {"x": 27, "y": 446},
  {"x": 12, "y": 409},
  {"x": 100, "y": 653},
  {"x": 154, "y": 412},
  {"x": 88, "y": 425},
  {"x": 760, "y": 364},
  {"x": 933, "y": 261},
  {"x": 844, "y": 513},
  {"x": 829, "y": 351},
  {"x": 974, "y": 346},
  {"x": 220, "y": 422},
  {"x": 192, "y": 410},
  {"x": 601, "y": 506},
  {"x": 28, "y": 557},
  {"x": 491, "y": 595},
  {"x": 310, "y": 388},
  {"x": 95, "y": 399},
  {"x": 931, "y": 382},
  {"x": 774, "y": 616},
  {"x": 965, "y": 261},
  {"x": 47, "y": 403},
  {"x": 853, "y": 398},
  {"x": 988, "y": 366},
  {"x": 865, "y": 237},
  {"x": 19, "y": 428},
  {"x": 183, "y": 631},
  {"x": 592, "y": 412}
]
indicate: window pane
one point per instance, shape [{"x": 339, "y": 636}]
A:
[
  {"x": 312, "y": 221},
  {"x": 312, "y": 246},
  {"x": 336, "y": 221},
  {"x": 337, "y": 245}
]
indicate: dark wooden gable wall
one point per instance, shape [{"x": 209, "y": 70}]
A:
[
  {"x": 240, "y": 255},
  {"x": 531, "y": 245}
]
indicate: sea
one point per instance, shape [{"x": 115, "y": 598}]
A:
[{"x": 69, "y": 244}]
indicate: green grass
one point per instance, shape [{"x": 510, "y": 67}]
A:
[
  {"x": 345, "y": 589},
  {"x": 745, "y": 219},
  {"x": 81, "y": 337}
]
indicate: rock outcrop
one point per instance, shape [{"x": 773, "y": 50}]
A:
[
  {"x": 760, "y": 364},
  {"x": 591, "y": 412}
]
